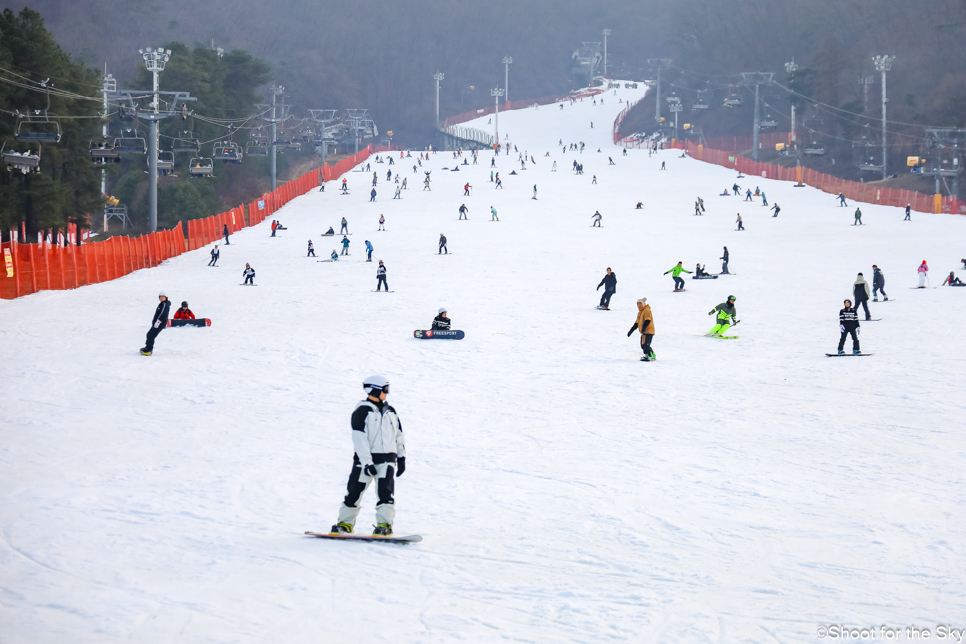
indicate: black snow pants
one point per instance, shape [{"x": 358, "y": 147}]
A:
[
  {"x": 149, "y": 340},
  {"x": 380, "y": 282},
  {"x": 855, "y": 340},
  {"x": 605, "y": 298}
]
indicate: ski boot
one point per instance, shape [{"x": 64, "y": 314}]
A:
[
  {"x": 341, "y": 528},
  {"x": 875, "y": 299},
  {"x": 856, "y": 352},
  {"x": 145, "y": 352},
  {"x": 885, "y": 299},
  {"x": 841, "y": 352},
  {"x": 382, "y": 530}
]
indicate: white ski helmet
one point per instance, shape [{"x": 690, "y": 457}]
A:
[
  {"x": 441, "y": 311},
  {"x": 375, "y": 384},
  {"x": 161, "y": 294}
]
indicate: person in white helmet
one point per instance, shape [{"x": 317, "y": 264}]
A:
[
  {"x": 158, "y": 324},
  {"x": 441, "y": 322},
  {"x": 380, "y": 455}
]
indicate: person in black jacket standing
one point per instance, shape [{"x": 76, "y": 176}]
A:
[
  {"x": 849, "y": 325},
  {"x": 610, "y": 287},
  {"x": 158, "y": 324}
]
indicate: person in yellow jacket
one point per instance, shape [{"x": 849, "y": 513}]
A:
[{"x": 644, "y": 324}]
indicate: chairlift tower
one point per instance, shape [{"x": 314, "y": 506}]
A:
[
  {"x": 506, "y": 76},
  {"x": 791, "y": 68},
  {"x": 108, "y": 87},
  {"x": 939, "y": 137},
  {"x": 279, "y": 115},
  {"x": 496, "y": 93},
  {"x": 757, "y": 79},
  {"x": 438, "y": 76},
  {"x": 322, "y": 118},
  {"x": 883, "y": 64},
  {"x": 358, "y": 120},
  {"x": 606, "y": 33},
  {"x": 659, "y": 64},
  {"x": 675, "y": 108}
]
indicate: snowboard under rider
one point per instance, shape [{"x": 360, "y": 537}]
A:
[
  {"x": 610, "y": 287},
  {"x": 441, "y": 322},
  {"x": 379, "y": 455},
  {"x": 725, "y": 310},
  {"x": 645, "y": 324},
  {"x": 158, "y": 323},
  {"x": 849, "y": 325}
]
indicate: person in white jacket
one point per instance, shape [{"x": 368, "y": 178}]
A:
[{"x": 380, "y": 455}]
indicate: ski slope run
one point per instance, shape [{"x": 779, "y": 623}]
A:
[{"x": 743, "y": 491}]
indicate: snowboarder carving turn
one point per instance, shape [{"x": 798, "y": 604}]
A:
[
  {"x": 645, "y": 324},
  {"x": 725, "y": 318},
  {"x": 610, "y": 287},
  {"x": 379, "y": 455},
  {"x": 676, "y": 274}
]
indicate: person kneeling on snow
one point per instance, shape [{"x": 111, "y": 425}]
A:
[
  {"x": 441, "y": 322},
  {"x": 184, "y": 313},
  {"x": 334, "y": 256}
]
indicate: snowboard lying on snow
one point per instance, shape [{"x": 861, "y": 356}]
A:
[
  {"x": 438, "y": 335},
  {"x": 198, "y": 322}
]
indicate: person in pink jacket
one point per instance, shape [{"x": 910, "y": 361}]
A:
[{"x": 923, "y": 274}]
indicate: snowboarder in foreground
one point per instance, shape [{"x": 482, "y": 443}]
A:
[
  {"x": 441, "y": 322},
  {"x": 610, "y": 287},
  {"x": 644, "y": 324},
  {"x": 381, "y": 277},
  {"x": 849, "y": 325},
  {"x": 676, "y": 274},
  {"x": 249, "y": 274},
  {"x": 215, "y": 254},
  {"x": 380, "y": 455},
  {"x": 158, "y": 323},
  {"x": 725, "y": 311},
  {"x": 878, "y": 284},
  {"x": 860, "y": 290}
]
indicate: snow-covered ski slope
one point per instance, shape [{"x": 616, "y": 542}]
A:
[{"x": 742, "y": 491}]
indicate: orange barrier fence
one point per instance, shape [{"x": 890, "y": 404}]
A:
[
  {"x": 860, "y": 192},
  {"x": 28, "y": 268}
]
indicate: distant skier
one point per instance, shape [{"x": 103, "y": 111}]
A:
[
  {"x": 736, "y": 189},
  {"x": 596, "y": 217},
  {"x": 249, "y": 275},
  {"x": 345, "y": 187},
  {"x": 372, "y": 195},
  {"x": 849, "y": 325},
  {"x": 344, "y": 230},
  {"x": 858, "y": 217},
  {"x": 554, "y": 167},
  {"x": 158, "y": 323},
  {"x": 388, "y": 175},
  {"x": 215, "y": 254},
  {"x": 225, "y": 233},
  {"x": 368, "y": 251},
  {"x": 878, "y": 284},
  {"x": 841, "y": 198},
  {"x": 725, "y": 310},
  {"x": 382, "y": 222},
  {"x": 398, "y": 194},
  {"x": 747, "y": 195},
  {"x": 441, "y": 322},
  {"x": 534, "y": 191},
  {"x": 442, "y": 245},
  {"x": 381, "y": 277},
  {"x": 499, "y": 183},
  {"x": 740, "y": 226},
  {"x": 345, "y": 245},
  {"x": 274, "y": 227},
  {"x": 466, "y": 189},
  {"x": 645, "y": 325},
  {"x": 463, "y": 211},
  {"x": 923, "y": 271},
  {"x": 764, "y": 199},
  {"x": 663, "y": 167},
  {"x": 311, "y": 252},
  {"x": 594, "y": 182},
  {"x": 379, "y": 454},
  {"x": 610, "y": 161},
  {"x": 908, "y": 212},
  {"x": 493, "y": 216},
  {"x": 610, "y": 288},
  {"x": 675, "y": 273},
  {"x": 776, "y": 209},
  {"x": 860, "y": 290},
  {"x": 724, "y": 261}
]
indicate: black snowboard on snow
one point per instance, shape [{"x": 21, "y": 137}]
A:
[
  {"x": 198, "y": 322},
  {"x": 848, "y": 355}
]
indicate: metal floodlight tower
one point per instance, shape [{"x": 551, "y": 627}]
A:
[
  {"x": 437, "y": 77},
  {"x": 883, "y": 64},
  {"x": 606, "y": 33},
  {"x": 154, "y": 61},
  {"x": 757, "y": 79},
  {"x": 506, "y": 75},
  {"x": 791, "y": 68},
  {"x": 496, "y": 94},
  {"x": 659, "y": 63}
]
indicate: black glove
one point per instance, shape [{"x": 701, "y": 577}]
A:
[
  {"x": 632, "y": 330},
  {"x": 370, "y": 469},
  {"x": 400, "y": 465},
  {"x": 598, "y": 287}
]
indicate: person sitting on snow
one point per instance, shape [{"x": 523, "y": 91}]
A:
[{"x": 184, "y": 313}]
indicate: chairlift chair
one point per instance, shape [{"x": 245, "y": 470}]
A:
[
  {"x": 165, "y": 162},
  {"x": 201, "y": 167},
  {"x": 39, "y": 127},
  {"x": 871, "y": 167},
  {"x": 673, "y": 99},
  {"x": 130, "y": 143},
  {"x": 22, "y": 162},
  {"x": 702, "y": 101},
  {"x": 257, "y": 148},
  {"x": 814, "y": 149},
  {"x": 186, "y": 143},
  {"x": 103, "y": 152},
  {"x": 813, "y": 123},
  {"x": 226, "y": 151},
  {"x": 768, "y": 123}
]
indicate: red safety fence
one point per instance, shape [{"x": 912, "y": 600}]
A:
[{"x": 28, "y": 268}]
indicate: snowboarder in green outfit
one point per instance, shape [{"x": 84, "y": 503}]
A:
[
  {"x": 675, "y": 273},
  {"x": 858, "y": 217},
  {"x": 725, "y": 311}
]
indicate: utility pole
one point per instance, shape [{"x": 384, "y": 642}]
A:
[
  {"x": 865, "y": 80},
  {"x": 496, "y": 94},
  {"x": 757, "y": 79},
  {"x": 606, "y": 33},
  {"x": 791, "y": 68},
  {"x": 675, "y": 108},
  {"x": 884, "y": 64},
  {"x": 437, "y": 77},
  {"x": 109, "y": 87},
  {"x": 279, "y": 115},
  {"x": 659, "y": 63},
  {"x": 506, "y": 75},
  {"x": 154, "y": 60}
]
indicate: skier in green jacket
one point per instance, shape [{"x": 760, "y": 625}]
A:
[
  {"x": 725, "y": 310},
  {"x": 675, "y": 273}
]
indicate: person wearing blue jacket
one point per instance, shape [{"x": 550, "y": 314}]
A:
[
  {"x": 345, "y": 245},
  {"x": 369, "y": 250}
]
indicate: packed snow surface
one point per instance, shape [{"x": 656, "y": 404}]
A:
[{"x": 748, "y": 490}]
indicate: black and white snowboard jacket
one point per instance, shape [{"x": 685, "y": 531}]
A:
[
  {"x": 849, "y": 319},
  {"x": 440, "y": 323},
  {"x": 376, "y": 435},
  {"x": 381, "y": 271}
]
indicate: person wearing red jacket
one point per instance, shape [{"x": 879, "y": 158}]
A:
[{"x": 184, "y": 313}]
